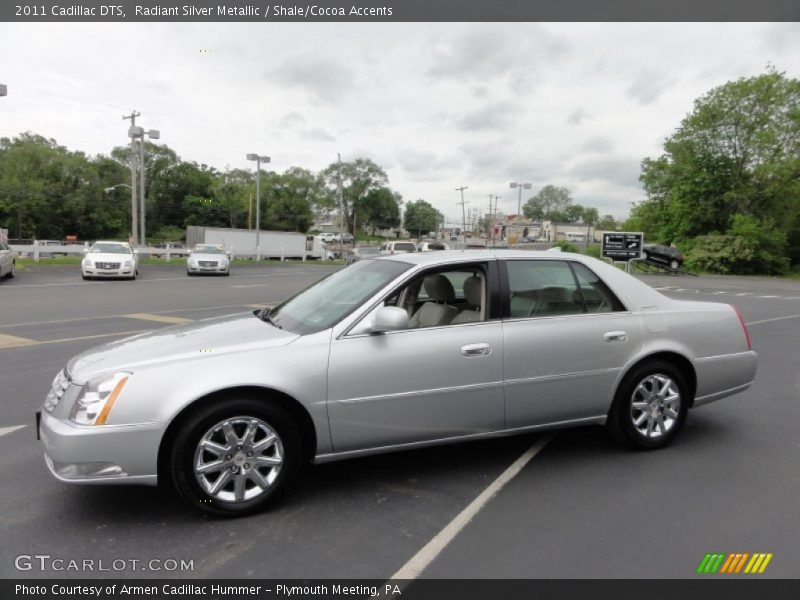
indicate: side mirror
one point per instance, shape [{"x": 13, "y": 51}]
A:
[{"x": 390, "y": 318}]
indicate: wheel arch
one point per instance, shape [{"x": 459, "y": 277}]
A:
[
  {"x": 679, "y": 361},
  {"x": 298, "y": 412}
]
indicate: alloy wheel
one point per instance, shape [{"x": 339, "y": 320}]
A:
[
  {"x": 238, "y": 459},
  {"x": 655, "y": 406}
]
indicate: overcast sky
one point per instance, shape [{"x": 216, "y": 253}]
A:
[{"x": 437, "y": 105}]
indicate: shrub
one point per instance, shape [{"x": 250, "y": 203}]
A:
[{"x": 566, "y": 246}]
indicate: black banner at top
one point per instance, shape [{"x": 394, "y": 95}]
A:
[{"x": 399, "y": 10}]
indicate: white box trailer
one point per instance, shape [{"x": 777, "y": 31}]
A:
[{"x": 242, "y": 242}]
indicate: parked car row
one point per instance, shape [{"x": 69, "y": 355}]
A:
[{"x": 118, "y": 260}]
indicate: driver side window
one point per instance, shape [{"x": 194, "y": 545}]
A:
[{"x": 443, "y": 297}]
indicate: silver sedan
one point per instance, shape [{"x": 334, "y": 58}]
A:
[{"x": 388, "y": 354}]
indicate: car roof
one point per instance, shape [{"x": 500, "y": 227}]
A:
[
  {"x": 444, "y": 256},
  {"x": 111, "y": 242}
]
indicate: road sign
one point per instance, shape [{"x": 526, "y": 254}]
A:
[{"x": 622, "y": 246}]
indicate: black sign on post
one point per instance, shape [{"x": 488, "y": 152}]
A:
[{"x": 622, "y": 246}]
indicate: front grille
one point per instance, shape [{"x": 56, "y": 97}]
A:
[
  {"x": 207, "y": 263},
  {"x": 107, "y": 265},
  {"x": 60, "y": 385}
]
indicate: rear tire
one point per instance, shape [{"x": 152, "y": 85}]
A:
[
  {"x": 674, "y": 265},
  {"x": 650, "y": 406},
  {"x": 257, "y": 469}
]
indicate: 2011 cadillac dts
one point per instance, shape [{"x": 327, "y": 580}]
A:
[{"x": 390, "y": 353}]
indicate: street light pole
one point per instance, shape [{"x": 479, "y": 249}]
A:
[
  {"x": 134, "y": 219},
  {"x": 463, "y": 212},
  {"x": 3, "y": 89},
  {"x": 519, "y": 185},
  {"x": 259, "y": 159}
]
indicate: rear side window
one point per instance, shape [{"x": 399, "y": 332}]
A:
[
  {"x": 596, "y": 294},
  {"x": 542, "y": 288},
  {"x": 405, "y": 246},
  {"x": 547, "y": 288}
]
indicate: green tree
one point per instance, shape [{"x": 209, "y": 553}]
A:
[
  {"x": 357, "y": 178},
  {"x": 379, "y": 209},
  {"x": 420, "y": 217},
  {"x": 548, "y": 203},
  {"x": 737, "y": 153}
]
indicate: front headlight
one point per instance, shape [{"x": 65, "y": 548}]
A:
[
  {"x": 128, "y": 263},
  {"x": 193, "y": 262},
  {"x": 97, "y": 399},
  {"x": 87, "y": 263}
]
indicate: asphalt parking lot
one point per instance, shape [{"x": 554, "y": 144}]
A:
[{"x": 582, "y": 507}]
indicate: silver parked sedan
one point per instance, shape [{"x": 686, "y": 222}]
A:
[
  {"x": 208, "y": 258},
  {"x": 390, "y": 353}
]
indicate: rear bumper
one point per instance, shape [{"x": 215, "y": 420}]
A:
[
  {"x": 721, "y": 376},
  {"x": 106, "y": 454}
]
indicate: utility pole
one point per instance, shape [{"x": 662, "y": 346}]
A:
[
  {"x": 463, "y": 212},
  {"x": 341, "y": 201},
  {"x": 134, "y": 219}
]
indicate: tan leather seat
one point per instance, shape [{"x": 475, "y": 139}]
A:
[
  {"x": 440, "y": 310},
  {"x": 473, "y": 290},
  {"x": 557, "y": 301}
]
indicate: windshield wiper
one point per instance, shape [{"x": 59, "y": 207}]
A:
[{"x": 267, "y": 318}]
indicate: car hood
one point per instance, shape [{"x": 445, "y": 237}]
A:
[
  {"x": 217, "y": 257},
  {"x": 194, "y": 341},
  {"x": 108, "y": 257}
]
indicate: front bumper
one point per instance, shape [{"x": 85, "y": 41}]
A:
[
  {"x": 198, "y": 269},
  {"x": 105, "y": 454},
  {"x": 110, "y": 273}
]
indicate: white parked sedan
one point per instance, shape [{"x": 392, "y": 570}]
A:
[
  {"x": 110, "y": 260},
  {"x": 209, "y": 259},
  {"x": 7, "y": 261},
  {"x": 391, "y": 353}
]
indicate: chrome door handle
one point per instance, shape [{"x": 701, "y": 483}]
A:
[
  {"x": 616, "y": 336},
  {"x": 481, "y": 349}
]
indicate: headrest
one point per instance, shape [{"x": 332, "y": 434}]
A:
[
  {"x": 472, "y": 290},
  {"x": 439, "y": 288}
]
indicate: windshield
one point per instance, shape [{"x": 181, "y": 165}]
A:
[
  {"x": 208, "y": 250},
  {"x": 330, "y": 300},
  {"x": 111, "y": 249}
]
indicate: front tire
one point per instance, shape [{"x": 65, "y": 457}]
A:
[
  {"x": 235, "y": 458},
  {"x": 674, "y": 265},
  {"x": 650, "y": 406}
]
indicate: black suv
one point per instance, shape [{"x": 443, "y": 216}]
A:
[{"x": 662, "y": 255}]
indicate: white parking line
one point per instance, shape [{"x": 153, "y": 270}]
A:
[
  {"x": 767, "y": 296},
  {"x": 13, "y": 428},
  {"x": 420, "y": 561},
  {"x": 773, "y": 319}
]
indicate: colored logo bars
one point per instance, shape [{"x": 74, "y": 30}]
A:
[{"x": 735, "y": 563}]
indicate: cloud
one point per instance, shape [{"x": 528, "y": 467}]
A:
[
  {"x": 494, "y": 51},
  {"x": 576, "y": 117},
  {"x": 423, "y": 165},
  {"x": 292, "y": 120},
  {"x": 324, "y": 79},
  {"x": 318, "y": 134},
  {"x": 495, "y": 116},
  {"x": 648, "y": 87},
  {"x": 617, "y": 170},
  {"x": 599, "y": 144}
]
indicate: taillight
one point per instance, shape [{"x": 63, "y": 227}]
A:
[{"x": 744, "y": 326}]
